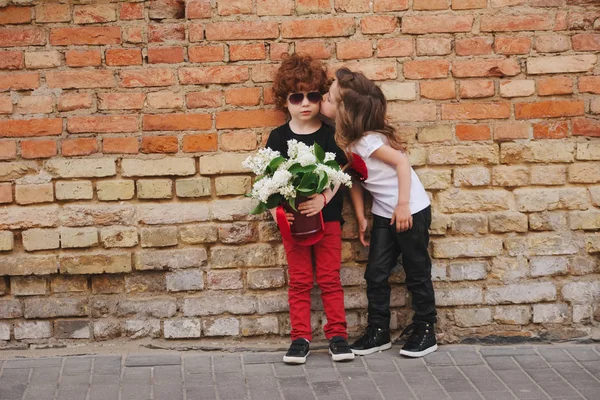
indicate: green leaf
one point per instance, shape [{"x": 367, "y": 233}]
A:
[
  {"x": 319, "y": 153},
  {"x": 323, "y": 181},
  {"x": 259, "y": 209},
  {"x": 274, "y": 164},
  {"x": 292, "y": 203},
  {"x": 308, "y": 182},
  {"x": 273, "y": 201},
  {"x": 299, "y": 169},
  {"x": 333, "y": 164}
]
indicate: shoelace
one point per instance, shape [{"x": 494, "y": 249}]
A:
[{"x": 414, "y": 331}]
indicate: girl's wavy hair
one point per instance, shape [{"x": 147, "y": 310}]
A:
[
  {"x": 299, "y": 73},
  {"x": 362, "y": 108}
]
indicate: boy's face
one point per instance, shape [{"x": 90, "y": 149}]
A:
[
  {"x": 305, "y": 109},
  {"x": 330, "y": 101}
]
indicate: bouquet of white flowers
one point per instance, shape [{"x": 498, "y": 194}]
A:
[{"x": 307, "y": 171}]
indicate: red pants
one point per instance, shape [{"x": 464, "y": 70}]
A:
[{"x": 328, "y": 257}]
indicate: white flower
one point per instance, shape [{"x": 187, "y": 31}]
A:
[
  {"x": 258, "y": 163},
  {"x": 335, "y": 177},
  {"x": 329, "y": 156},
  {"x": 298, "y": 152}
]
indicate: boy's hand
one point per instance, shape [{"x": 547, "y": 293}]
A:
[
  {"x": 402, "y": 218},
  {"x": 313, "y": 206},
  {"x": 362, "y": 230}
]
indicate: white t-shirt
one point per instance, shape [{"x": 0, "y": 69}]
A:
[{"x": 382, "y": 180}]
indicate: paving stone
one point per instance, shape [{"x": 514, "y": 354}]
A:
[
  {"x": 520, "y": 384},
  {"x": 552, "y": 383},
  {"x": 483, "y": 378},
  {"x": 197, "y": 364},
  {"x": 151, "y": 360},
  {"x": 581, "y": 354},
  {"x": 554, "y": 355},
  {"x": 466, "y": 357},
  {"x": 501, "y": 363},
  {"x": 13, "y": 383},
  {"x": 33, "y": 363},
  {"x": 438, "y": 358},
  {"x": 262, "y": 358},
  {"x": 531, "y": 362}
]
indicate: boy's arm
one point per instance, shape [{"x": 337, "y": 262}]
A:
[
  {"x": 397, "y": 159},
  {"x": 358, "y": 202}
]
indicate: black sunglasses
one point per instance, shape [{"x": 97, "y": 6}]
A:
[{"x": 298, "y": 98}]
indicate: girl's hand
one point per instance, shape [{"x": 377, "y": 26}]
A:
[
  {"x": 402, "y": 218},
  {"x": 289, "y": 216},
  {"x": 313, "y": 206},
  {"x": 362, "y": 230}
]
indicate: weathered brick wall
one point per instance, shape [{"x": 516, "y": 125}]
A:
[{"x": 123, "y": 126}]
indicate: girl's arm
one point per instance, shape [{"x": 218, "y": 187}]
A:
[
  {"x": 358, "y": 202},
  {"x": 397, "y": 159}
]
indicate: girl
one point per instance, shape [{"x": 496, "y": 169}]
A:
[
  {"x": 298, "y": 87},
  {"x": 401, "y": 212}
]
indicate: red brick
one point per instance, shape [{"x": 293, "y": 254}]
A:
[
  {"x": 83, "y": 58},
  {"x": 177, "y": 122},
  {"x": 378, "y": 24},
  {"x": 512, "y": 45},
  {"x": 354, "y": 49},
  {"x": 242, "y": 30},
  {"x": 195, "y": 32},
  {"x": 200, "y": 143},
  {"x": 38, "y": 149},
  {"x": 430, "y": 5},
  {"x": 374, "y": 70},
  {"x": 121, "y": 101},
  {"x": 560, "y": 23},
  {"x": 313, "y": 7},
  {"x": 15, "y": 15},
  {"x": 52, "y": 12},
  {"x": 231, "y": 7},
  {"x": 552, "y": 43},
  {"x": 25, "y": 81},
  {"x": 83, "y": 79},
  {"x": 255, "y": 51},
  {"x": 426, "y": 69},
  {"x": 473, "y": 46},
  {"x": 316, "y": 49},
  {"x": 35, "y": 105},
  {"x": 131, "y": 11},
  {"x": 549, "y": 109},
  {"x": 475, "y": 89},
  {"x": 6, "y": 106},
  {"x": 270, "y": 7},
  {"x": 421, "y": 24},
  {"x": 511, "y": 23},
  {"x": 551, "y": 130},
  {"x": 12, "y": 60},
  {"x": 473, "y": 132},
  {"x": 206, "y": 75},
  {"x": 74, "y": 101},
  {"x": 433, "y": 46},
  {"x": 264, "y": 72},
  {"x": 103, "y": 124},
  {"x": 30, "y": 127},
  {"x": 198, "y": 9},
  {"x": 465, "y": 111},
  {"x": 96, "y": 13},
  {"x": 390, "y": 5},
  {"x": 317, "y": 28},
  {"x": 208, "y": 53},
  {"x": 165, "y": 100},
  {"x": 351, "y": 6},
  {"x": 549, "y": 86},
  {"x": 546, "y": 3},
  {"x": 165, "y": 55},
  {"x": 243, "y": 96},
  {"x": 586, "y": 127},
  {"x": 6, "y": 195},
  {"x": 85, "y": 35},
  {"x": 146, "y": 77},
  {"x": 8, "y": 150},
  {"x": 13, "y": 37},
  {"x": 121, "y": 57},
  {"x": 589, "y": 84},
  {"x": 79, "y": 147},
  {"x": 249, "y": 119},
  {"x": 411, "y": 112},
  {"x": 438, "y": 90},
  {"x": 239, "y": 141},
  {"x": 120, "y": 145},
  {"x": 134, "y": 34},
  {"x": 160, "y": 144},
  {"x": 278, "y": 50},
  {"x": 395, "y": 47},
  {"x": 166, "y": 9},
  {"x": 166, "y": 33},
  {"x": 586, "y": 42},
  {"x": 484, "y": 68},
  {"x": 468, "y": 4},
  {"x": 203, "y": 99},
  {"x": 511, "y": 131}
]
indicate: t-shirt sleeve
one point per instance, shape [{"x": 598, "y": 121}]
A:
[{"x": 371, "y": 143}]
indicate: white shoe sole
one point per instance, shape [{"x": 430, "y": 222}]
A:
[
  {"x": 373, "y": 349},
  {"x": 341, "y": 357},
  {"x": 295, "y": 360},
  {"x": 416, "y": 354}
]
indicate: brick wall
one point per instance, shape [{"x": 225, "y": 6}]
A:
[{"x": 123, "y": 126}]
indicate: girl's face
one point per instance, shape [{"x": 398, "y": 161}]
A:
[{"x": 330, "y": 101}]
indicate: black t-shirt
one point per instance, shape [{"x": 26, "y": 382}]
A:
[{"x": 324, "y": 136}]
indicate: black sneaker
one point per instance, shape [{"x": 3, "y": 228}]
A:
[
  {"x": 340, "y": 349},
  {"x": 421, "y": 340},
  {"x": 373, "y": 340},
  {"x": 298, "y": 351}
]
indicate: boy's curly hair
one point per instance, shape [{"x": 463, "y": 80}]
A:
[{"x": 299, "y": 73}]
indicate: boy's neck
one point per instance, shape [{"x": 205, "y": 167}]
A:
[{"x": 305, "y": 127}]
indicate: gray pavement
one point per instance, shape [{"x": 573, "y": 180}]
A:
[{"x": 558, "y": 371}]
